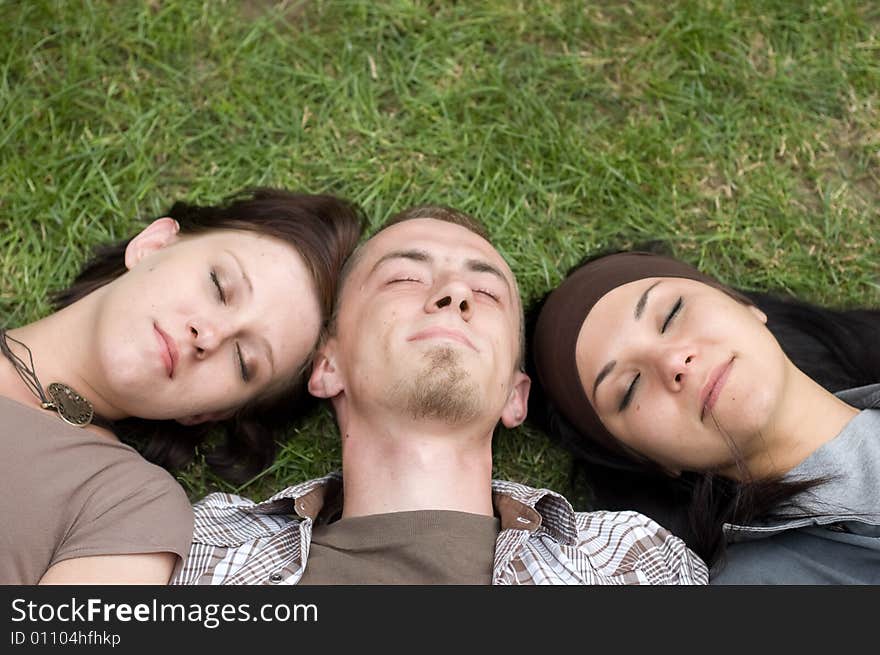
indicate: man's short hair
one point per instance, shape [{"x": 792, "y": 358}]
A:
[{"x": 440, "y": 213}]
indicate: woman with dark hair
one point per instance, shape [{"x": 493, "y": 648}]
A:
[
  {"x": 208, "y": 316},
  {"x": 665, "y": 378}
]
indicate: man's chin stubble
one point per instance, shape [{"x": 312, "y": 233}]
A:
[{"x": 441, "y": 391}]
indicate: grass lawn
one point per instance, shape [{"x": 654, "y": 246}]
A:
[{"x": 746, "y": 134}]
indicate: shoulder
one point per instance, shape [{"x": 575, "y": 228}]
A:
[
  {"x": 866, "y": 397},
  {"x": 238, "y": 541},
  {"x": 630, "y": 543},
  {"x": 810, "y": 555},
  {"x": 133, "y": 508},
  {"x": 625, "y": 526},
  {"x": 568, "y": 547},
  {"x": 132, "y": 479},
  {"x": 223, "y": 519}
]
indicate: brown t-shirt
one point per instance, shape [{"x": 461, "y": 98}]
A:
[
  {"x": 422, "y": 547},
  {"x": 67, "y": 492}
]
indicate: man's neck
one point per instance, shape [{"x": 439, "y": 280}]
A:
[{"x": 401, "y": 465}]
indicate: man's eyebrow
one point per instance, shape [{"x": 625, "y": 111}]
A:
[
  {"x": 480, "y": 266},
  {"x": 244, "y": 275},
  {"x": 413, "y": 255},
  {"x": 602, "y": 375},
  {"x": 643, "y": 300}
]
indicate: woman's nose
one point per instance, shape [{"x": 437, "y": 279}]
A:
[
  {"x": 676, "y": 366},
  {"x": 205, "y": 336}
]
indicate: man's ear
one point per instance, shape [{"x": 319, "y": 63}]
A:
[
  {"x": 761, "y": 316},
  {"x": 157, "y": 235},
  {"x": 517, "y": 405},
  {"x": 206, "y": 417},
  {"x": 325, "y": 380}
]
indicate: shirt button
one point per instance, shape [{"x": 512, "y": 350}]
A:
[{"x": 276, "y": 577}]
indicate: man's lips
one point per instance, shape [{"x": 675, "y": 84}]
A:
[
  {"x": 168, "y": 350},
  {"x": 712, "y": 389},
  {"x": 442, "y": 333}
]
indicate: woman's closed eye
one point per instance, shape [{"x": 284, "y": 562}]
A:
[
  {"x": 676, "y": 308},
  {"x": 221, "y": 294},
  {"x": 630, "y": 390},
  {"x": 242, "y": 366}
]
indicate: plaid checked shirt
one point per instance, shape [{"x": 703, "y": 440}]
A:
[{"x": 542, "y": 540}]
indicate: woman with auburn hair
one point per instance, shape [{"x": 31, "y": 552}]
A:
[
  {"x": 208, "y": 316},
  {"x": 647, "y": 367}
]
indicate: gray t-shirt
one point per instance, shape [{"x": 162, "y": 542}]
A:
[
  {"x": 68, "y": 492},
  {"x": 851, "y": 458}
]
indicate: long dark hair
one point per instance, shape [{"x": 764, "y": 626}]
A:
[
  {"x": 835, "y": 347},
  {"x": 324, "y": 229}
]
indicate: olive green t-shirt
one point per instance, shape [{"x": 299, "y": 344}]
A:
[
  {"x": 67, "y": 492},
  {"x": 427, "y": 547}
]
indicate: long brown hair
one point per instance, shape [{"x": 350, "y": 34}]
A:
[{"x": 325, "y": 230}]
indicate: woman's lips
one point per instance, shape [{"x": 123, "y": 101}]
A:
[
  {"x": 168, "y": 350},
  {"x": 712, "y": 389}
]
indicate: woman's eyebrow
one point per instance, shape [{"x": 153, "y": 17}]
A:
[
  {"x": 643, "y": 300},
  {"x": 262, "y": 340},
  {"x": 267, "y": 351},
  {"x": 602, "y": 375},
  {"x": 244, "y": 276},
  {"x": 637, "y": 314}
]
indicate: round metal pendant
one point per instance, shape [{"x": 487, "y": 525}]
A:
[{"x": 70, "y": 406}]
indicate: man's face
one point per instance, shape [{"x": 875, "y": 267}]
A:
[{"x": 428, "y": 325}]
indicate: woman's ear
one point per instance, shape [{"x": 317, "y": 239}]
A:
[{"x": 157, "y": 235}]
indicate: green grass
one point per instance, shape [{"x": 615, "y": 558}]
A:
[{"x": 746, "y": 134}]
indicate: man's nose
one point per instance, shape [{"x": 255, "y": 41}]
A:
[{"x": 452, "y": 294}]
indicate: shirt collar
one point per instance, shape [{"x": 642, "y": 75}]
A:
[
  {"x": 306, "y": 499},
  {"x": 523, "y": 507},
  {"x": 518, "y": 506}
]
